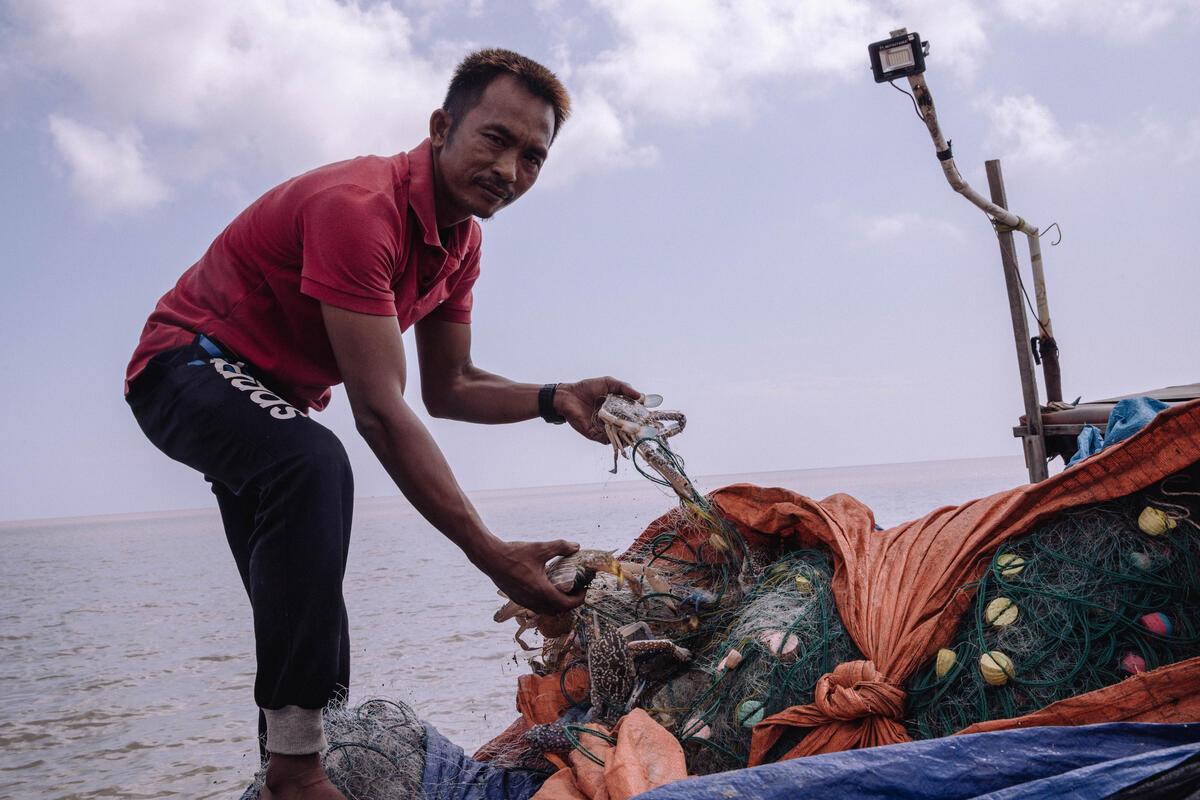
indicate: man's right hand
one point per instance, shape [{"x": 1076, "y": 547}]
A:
[{"x": 519, "y": 570}]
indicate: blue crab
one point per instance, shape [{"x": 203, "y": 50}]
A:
[
  {"x": 570, "y": 574},
  {"x": 632, "y": 424},
  {"x": 621, "y": 664}
]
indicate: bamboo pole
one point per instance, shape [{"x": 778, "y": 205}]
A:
[{"x": 1051, "y": 370}]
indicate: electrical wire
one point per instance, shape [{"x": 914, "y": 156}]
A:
[
  {"x": 916, "y": 108},
  {"x": 1011, "y": 253}
]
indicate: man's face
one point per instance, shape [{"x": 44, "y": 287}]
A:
[{"x": 494, "y": 154}]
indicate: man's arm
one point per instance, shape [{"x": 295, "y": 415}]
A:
[
  {"x": 370, "y": 356},
  {"x": 454, "y": 388}
]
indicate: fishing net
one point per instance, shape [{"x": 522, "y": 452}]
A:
[
  {"x": 676, "y": 587},
  {"x": 376, "y": 751},
  {"x": 1082, "y": 601},
  {"x": 1073, "y": 604},
  {"x": 784, "y": 637},
  {"x": 751, "y": 655},
  {"x": 691, "y": 584}
]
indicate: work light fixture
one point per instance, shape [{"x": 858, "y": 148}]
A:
[{"x": 898, "y": 57}]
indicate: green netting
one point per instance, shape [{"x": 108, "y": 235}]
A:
[
  {"x": 783, "y": 638},
  {"x": 1082, "y": 601}
]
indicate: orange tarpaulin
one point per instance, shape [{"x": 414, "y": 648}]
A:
[
  {"x": 1167, "y": 694},
  {"x": 646, "y": 755},
  {"x": 900, "y": 594},
  {"x": 540, "y": 700},
  {"x": 540, "y": 697}
]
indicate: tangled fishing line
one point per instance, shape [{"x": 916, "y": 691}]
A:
[{"x": 376, "y": 751}]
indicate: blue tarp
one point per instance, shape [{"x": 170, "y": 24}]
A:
[
  {"x": 1084, "y": 762},
  {"x": 1127, "y": 418},
  {"x": 1088, "y": 761},
  {"x": 451, "y": 775}
]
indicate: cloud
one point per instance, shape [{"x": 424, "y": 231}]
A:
[
  {"x": 239, "y": 92},
  {"x": 891, "y": 226},
  {"x": 1127, "y": 21},
  {"x": 235, "y": 92},
  {"x": 1025, "y": 130},
  {"x": 1166, "y": 139},
  {"x": 107, "y": 170},
  {"x": 695, "y": 59},
  {"x": 956, "y": 29},
  {"x": 229, "y": 86},
  {"x": 596, "y": 139},
  {"x": 689, "y": 60}
]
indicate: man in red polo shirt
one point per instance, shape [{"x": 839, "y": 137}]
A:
[{"x": 310, "y": 286}]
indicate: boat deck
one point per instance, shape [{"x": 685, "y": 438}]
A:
[{"x": 1060, "y": 427}]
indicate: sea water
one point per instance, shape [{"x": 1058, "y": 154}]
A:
[{"x": 128, "y": 656}]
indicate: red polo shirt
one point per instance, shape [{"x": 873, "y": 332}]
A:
[{"x": 360, "y": 235}]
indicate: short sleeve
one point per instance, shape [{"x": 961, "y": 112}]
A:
[
  {"x": 457, "y": 305},
  {"x": 350, "y": 242}
]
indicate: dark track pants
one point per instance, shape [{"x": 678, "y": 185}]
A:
[{"x": 285, "y": 491}]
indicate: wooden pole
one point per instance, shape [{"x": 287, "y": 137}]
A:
[
  {"x": 1035, "y": 445},
  {"x": 1051, "y": 372}
]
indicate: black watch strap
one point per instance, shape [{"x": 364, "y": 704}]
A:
[{"x": 546, "y": 405}]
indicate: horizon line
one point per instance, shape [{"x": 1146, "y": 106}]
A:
[{"x": 627, "y": 483}]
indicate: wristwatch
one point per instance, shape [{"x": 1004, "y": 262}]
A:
[{"x": 546, "y": 405}]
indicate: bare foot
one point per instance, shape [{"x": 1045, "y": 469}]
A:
[{"x": 298, "y": 778}]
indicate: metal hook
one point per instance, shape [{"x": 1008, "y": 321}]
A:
[{"x": 1052, "y": 225}]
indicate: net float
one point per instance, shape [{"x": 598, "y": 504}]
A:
[
  {"x": 996, "y": 668},
  {"x": 1010, "y": 564},
  {"x": 1154, "y": 521},
  {"x": 750, "y": 713},
  {"x": 696, "y": 728},
  {"x": 731, "y": 660},
  {"x": 1142, "y": 561},
  {"x": 1158, "y": 622},
  {"x": 781, "y": 644},
  {"x": 1001, "y": 612},
  {"x": 1133, "y": 663},
  {"x": 946, "y": 659}
]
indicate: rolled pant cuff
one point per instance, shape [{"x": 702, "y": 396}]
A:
[{"x": 294, "y": 731}]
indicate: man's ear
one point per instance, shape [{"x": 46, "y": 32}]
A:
[{"x": 439, "y": 127}]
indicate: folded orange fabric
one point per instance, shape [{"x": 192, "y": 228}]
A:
[
  {"x": 900, "y": 592},
  {"x": 540, "y": 698},
  {"x": 646, "y": 755}
]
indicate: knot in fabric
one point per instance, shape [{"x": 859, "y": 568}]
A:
[{"x": 856, "y": 689}]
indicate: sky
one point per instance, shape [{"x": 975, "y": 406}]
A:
[{"x": 735, "y": 217}]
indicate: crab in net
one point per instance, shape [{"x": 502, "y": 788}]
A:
[
  {"x": 636, "y": 431},
  {"x": 651, "y": 616},
  {"x": 631, "y": 424},
  {"x": 569, "y": 574}
]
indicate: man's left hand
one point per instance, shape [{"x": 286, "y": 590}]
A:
[{"x": 579, "y": 402}]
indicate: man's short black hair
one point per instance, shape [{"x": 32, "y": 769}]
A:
[{"x": 480, "y": 68}]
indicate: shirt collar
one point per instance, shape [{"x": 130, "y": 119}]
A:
[{"x": 421, "y": 197}]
